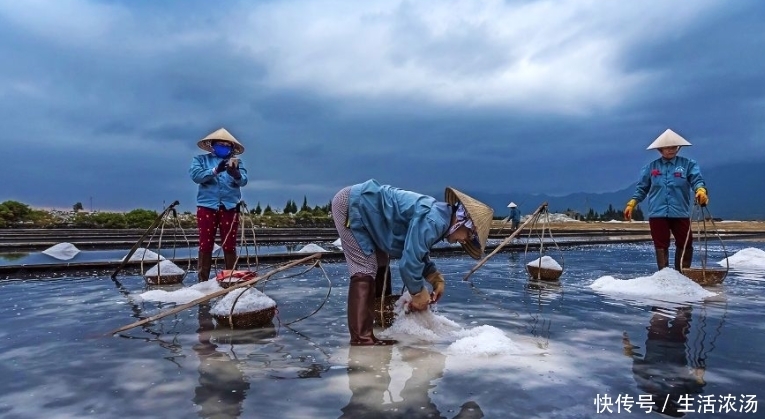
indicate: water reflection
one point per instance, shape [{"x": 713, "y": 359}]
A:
[
  {"x": 222, "y": 387},
  {"x": 374, "y": 393},
  {"x": 539, "y": 297},
  {"x": 664, "y": 371}
]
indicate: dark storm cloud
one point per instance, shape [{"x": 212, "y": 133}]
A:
[{"x": 418, "y": 95}]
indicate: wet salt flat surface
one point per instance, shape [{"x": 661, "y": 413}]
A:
[{"x": 503, "y": 347}]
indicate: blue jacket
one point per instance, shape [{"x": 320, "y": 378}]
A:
[
  {"x": 515, "y": 215},
  {"x": 668, "y": 184},
  {"x": 216, "y": 190},
  {"x": 401, "y": 223}
]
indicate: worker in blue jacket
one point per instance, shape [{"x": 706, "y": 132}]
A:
[
  {"x": 220, "y": 175},
  {"x": 376, "y": 222},
  {"x": 515, "y": 215},
  {"x": 667, "y": 182}
]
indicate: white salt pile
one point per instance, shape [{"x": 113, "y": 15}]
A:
[
  {"x": 312, "y": 248},
  {"x": 183, "y": 295},
  {"x": 164, "y": 268},
  {"x": 746, "y": 258},
  {"x": 145, "y": 255},
  {"x": 545, "y": 262},
  {"x": 665, "y": 285},
  {"x": 337, "y": 243},
  {"x": 425, "y": 325},
  {"x": 251, "y": 300},
  {"x": 62, "y": 251}
]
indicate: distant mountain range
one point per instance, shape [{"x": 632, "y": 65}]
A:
[{"x": 736, "y": 192}]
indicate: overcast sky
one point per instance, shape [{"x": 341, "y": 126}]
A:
[{"x": 107, "y": 99}]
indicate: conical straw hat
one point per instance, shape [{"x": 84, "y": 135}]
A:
[
  {"x": 668, "y": 139},
  {"x": 220, "y": 135},
  {"x": 511, "y": 205},
  {"x": 480, "y": 213}
]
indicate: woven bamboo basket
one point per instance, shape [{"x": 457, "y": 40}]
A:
[
  {"x": 227, "y": 283},
  {"x": 385, "y": 317},
  {"x": 164, "y": 279},
  {"x": 260, "y": 318},
  {"x": 706, "y": 276},
  {"x": 543, "y": 274}
]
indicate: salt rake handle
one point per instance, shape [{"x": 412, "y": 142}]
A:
[
  {"x": 506, "y": 241},
  {"x": 215, "y": 294}
]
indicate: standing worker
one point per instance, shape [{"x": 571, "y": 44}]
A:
[
  {"x": 220, "y": 175},
  {"x": 377, "y": 221},
  {"x": 515, "y": 215},
  {"x": 667, "y": 182}
]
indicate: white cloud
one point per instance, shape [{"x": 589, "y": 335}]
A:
[{"x": 560, "y": 57}]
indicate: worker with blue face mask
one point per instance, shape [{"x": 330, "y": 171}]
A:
[{"x": 220, "y": 175}]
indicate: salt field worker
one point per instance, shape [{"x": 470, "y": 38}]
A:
[
  {"x": 667, "y": 182},
  {"x": 377, "y": 221},
  {"x": 220, "y": 176},
  {"x": 515, "y": 215}
]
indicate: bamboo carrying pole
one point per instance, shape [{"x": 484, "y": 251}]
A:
[
  {"x": 215, "y": 294},
  {"x": 145, "y": 233},
  {"x": 506, "y": 241}
]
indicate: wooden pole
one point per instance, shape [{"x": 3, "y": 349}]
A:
[
  {"x": 506, "y": 241},
  {"x": 215, "y": 294}
]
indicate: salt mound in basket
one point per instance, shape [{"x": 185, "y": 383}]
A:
[
  {"x": 229, "y": 277},
  {"x": 251, "y": 308},
  {"x": 545, "y": 269},
  {"x": 164, "y": 273}
]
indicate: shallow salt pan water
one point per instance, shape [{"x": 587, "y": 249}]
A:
[{"x": 517, "y": 348}]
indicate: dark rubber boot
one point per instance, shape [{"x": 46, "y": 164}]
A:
[
  {"x": 361, "y": 312},
  {"x": 229, "y": 259},
  {"x": 662, "y": 258},
  {"x": 203, "y": 266}
]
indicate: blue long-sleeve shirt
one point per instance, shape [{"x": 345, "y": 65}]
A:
[
  {"x": 667, "y": 184},
  {"x": 401, "y": 223},
  {"x": 216, "y": 190},
  {"x": 515, "y": 215}
]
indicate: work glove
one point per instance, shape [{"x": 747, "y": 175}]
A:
[
  {"x": 221, "y": 166},
  {"x": 420, "y": 300},
  {"x": 233, "y": 168},
  {"x": 628, "y": 210},
  {"x": 701, "y": 197},
  {"x": 436, "y": 280}
]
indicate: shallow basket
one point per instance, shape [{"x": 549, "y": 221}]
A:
[
  {"x": 544, "y": 274},
  {"x": 260, "y": 318},
  {"x": 164, "y": 279},
  {"x": 706, "y": 276},
  {"x": 385, "y": 317}
]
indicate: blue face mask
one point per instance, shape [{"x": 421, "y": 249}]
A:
[{"x": 222, "y": 150}]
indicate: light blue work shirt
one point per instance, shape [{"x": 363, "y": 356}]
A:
[
  {"x": 402, "y": 223},
  {"x": 216, "y": 190},
  {"x": 668, "y": 185},
  {"x": 515, "y": 215}
]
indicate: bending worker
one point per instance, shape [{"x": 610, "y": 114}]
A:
[
  {"x": 667, "y": 182},
  {"x": 376, "y": 222}
]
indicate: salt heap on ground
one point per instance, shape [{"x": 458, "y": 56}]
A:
[
  {"x": 746, "y": 258},
  {"x": 312, "y": 248},
  {"x": 62, "y": 251},
  {"x": 425, "y": 325},
  {"x": 337, "y": 243},
  {"x": 164, "y": 268},
  {"x": 665, "y": 285},
  {"x": 145, "y": 255},
  {"x": 251, "y": 300}
]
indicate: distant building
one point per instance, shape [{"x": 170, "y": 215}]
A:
[{"x": 574, "y": 215}]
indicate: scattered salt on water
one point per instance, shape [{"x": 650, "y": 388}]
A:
[
  {"x": 250, "y": 300},
  {"x": 183, "y": 295},
  {"x": 62, "y": 251}
]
